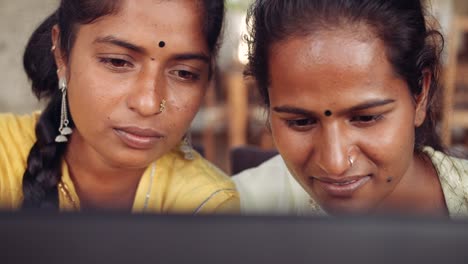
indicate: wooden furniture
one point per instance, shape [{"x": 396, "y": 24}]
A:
[
  {"x": 456, "y": 75},
  {"x": 237, "y": 109}
]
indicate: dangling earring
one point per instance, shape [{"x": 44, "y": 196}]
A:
[
  {"x": 63, "y": 129},
  {"x": 186, "y": 147}
]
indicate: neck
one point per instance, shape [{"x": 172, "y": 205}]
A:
[
  {"x": 418, "y": 192},
  {"x": 99, "y": 184}
]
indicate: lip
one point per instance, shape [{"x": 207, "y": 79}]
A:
[
  {"x": 344, "y": 187},
  {"x": 138, "y": 138}
]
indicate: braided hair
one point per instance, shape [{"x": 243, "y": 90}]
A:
[{"x": 43, "y": 171}]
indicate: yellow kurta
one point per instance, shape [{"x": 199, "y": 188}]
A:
[{"x": 178, "y": 186}]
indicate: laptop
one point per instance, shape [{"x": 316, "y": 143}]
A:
[{"x": 142, "y": 239}]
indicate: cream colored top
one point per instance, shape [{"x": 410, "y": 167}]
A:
[
  {"x": 271, "y": 189},
  {"x": 179, "y": 185}
]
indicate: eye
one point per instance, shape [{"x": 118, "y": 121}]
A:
[
  {"x": 185, "y": 75},
  {"x": 366, "y": 119},
  {"x": 302, "y": 124},
  {"x": 116, "y": 64}
]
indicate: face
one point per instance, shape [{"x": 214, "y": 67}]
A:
[
  {"x": 342, "y": 119},
  {"x": 135, "y": 80}
]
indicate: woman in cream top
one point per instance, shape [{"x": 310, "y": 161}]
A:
[{"x": 351, "y": 90}]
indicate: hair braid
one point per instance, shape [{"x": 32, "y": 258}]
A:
[{"x": 43, "y": 170}]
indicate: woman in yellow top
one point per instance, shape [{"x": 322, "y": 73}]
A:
[{"x": 124, "y": 80}]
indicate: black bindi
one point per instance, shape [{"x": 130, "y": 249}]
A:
[
  {"x": 162, "y": 44},
  {"x": 328, "y": 113}
]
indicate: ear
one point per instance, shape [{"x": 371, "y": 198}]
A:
[
  {"x": 58, "y": 53},
  {"x": 421, "y": 99}
]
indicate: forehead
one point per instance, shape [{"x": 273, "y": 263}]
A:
[
  {"x": 164, "y": 12},
  {"x": 342, "y": 49},
  {"x": 146, "y": 21},
  {"x": 329, "y": 64}
]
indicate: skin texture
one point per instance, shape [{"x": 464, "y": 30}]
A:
[
  {"x": 117, "y": 77},
  {"x": 346, "y": 71}
]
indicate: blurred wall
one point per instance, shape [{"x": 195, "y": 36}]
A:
[
  {"x": 461, "y": 6},
  {"x": 18, "y": 19}
]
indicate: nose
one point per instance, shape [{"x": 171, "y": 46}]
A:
[
  {"x": 145, "y": 98},
  {"x": 333, "y": 151}
]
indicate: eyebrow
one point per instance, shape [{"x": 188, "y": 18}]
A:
[
  {"x": 125, "y": 44},
  {"x": 192, "y": 56},
  {"x": 119, "y": 42},
  {"x": 360, "y": 107},
  {"x": 370, "y": 104},
  {"x": 293, "y": 110}
]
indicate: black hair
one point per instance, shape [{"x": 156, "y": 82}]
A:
[
  {"x": 411, "y": 46},
  {"x": 43, "y": 171}
]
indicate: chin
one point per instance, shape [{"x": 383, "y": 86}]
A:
[
  {"x": 346, "y": 207},
  {"x": 134, "y": 160}
]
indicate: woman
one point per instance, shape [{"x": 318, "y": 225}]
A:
[
  {"x": 350, "y": 89},
  {"x": 124, "y": 80}
]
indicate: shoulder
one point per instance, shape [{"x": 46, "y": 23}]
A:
[
  {"x": 199, "y": 183},
  {"x": 448, "y": 166},
  {"x": 269, "y": 189},
  {"x": 270, "y": 170},
  {"x": 453, "y": 176},
  {"x": 198, "y": 169},
  {"x": 17, "y": 135},
  {"x": 11, "y": 124}
]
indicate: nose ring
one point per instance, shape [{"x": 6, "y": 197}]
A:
[
  {"x": 351, "y": 161},
  {"x": 162, "y": 106}
]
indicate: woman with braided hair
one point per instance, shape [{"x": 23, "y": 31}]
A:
[{"x": 123, "y": 80}]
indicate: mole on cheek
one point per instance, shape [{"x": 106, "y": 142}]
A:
[{"x": 389, "y": 179}]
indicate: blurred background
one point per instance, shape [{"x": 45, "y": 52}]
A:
[{"x": 232, "y": 115}]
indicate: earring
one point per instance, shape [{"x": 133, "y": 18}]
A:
[
  {"x": 186, "y": 147},
  {"x": 162, "y": 106},
  {"x": 351, "y": 161},
  {"x": 63, "y": 129}
]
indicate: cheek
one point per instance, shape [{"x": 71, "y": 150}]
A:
[
  {"x": 91, "y": 88},
  {"x": 390, "y": 147},
  {"x": 88, "y": 97},
  {"x": 295, "y": 147},
  {"x": 185, "y": 106},
  {"x": 185, "y": 97},
  {"x": 94, "y": 99}
]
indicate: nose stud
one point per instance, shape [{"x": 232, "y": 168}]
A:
[
  {"x": 162, "y": 106},
  {"x": 351, "y": 161}
]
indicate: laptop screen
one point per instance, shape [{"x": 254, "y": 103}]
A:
[{"x": 121, "y": 238}]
